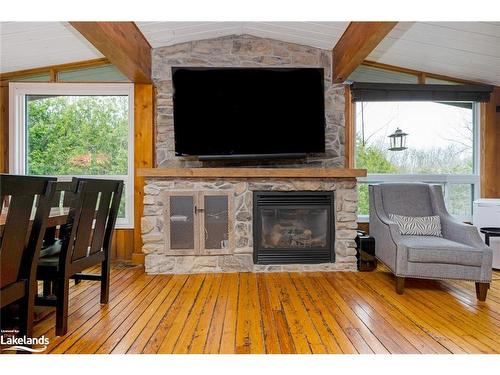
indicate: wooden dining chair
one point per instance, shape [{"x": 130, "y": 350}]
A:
[
  {"x": 21, "y": 241},
  {"x": 85, "y": 242},
  {"x": 63, "y": 196}
]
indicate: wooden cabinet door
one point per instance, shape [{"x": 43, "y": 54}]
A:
[
  {"x": 182, "y": 223},
  {"x": 215, "y": 211}
]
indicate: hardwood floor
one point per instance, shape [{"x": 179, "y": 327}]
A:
[{"x": 339, "y": 312}]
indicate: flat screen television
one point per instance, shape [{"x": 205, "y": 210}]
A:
[{"x": 248, "y": 112}]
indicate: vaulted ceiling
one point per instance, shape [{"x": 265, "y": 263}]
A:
[
  {"x": 26, "y": 45},
  {"x": 316, "y": 34},
  {"x": 467, "y": 50}
]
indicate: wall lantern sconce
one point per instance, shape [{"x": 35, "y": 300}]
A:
[{"x": 398, "y": 140}]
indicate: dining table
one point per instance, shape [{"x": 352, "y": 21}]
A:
[{"x": 57, "y": 216}]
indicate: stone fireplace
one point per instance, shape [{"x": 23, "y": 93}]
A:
[
  {"x": 199, "y": 215},
  {"x": 331, "y": 251}
]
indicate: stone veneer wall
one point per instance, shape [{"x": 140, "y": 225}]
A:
[
  {"x": 244, "y": 50},
  {"x": 157, "y": 260},
  {"x": 237, "y": 51}
]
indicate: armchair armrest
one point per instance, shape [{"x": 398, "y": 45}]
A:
[
  {"x": 378, "y": 210},
  {"x": 461, "y": 232},
  {"x": 452, "y": 229},
  {"x": 392, "y": 226},
  {"x": 386, "y": 233}
]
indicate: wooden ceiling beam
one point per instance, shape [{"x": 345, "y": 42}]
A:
[
  {"x": 354, "y": 46},
  {"x": 123, "y": 44}
]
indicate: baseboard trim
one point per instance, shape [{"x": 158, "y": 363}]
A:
[{"x": 137, "y": 258}]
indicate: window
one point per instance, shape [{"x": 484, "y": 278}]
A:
[
  {"x": 69, "y": 129},
  {"x": 364, "y": 73},
  {"x": 442, "y": 144}
]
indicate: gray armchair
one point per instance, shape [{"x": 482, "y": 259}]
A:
[{"x": 459, "y": 254}]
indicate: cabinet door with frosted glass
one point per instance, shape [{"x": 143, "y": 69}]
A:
[
  {"x": 216, "y": 222},
  {"x": 181, "y": 223}
]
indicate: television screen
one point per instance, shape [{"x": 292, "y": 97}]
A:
[{"x": 248, "y": 111}]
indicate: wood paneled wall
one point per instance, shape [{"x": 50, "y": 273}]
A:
[{"x": 122, "y": 246}]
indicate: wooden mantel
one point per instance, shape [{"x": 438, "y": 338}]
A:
[{"x": 252, "y": 172}]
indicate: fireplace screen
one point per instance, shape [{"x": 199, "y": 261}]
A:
[
  {"x": 294, "y": 227},
  {"x": 298, "y": 228}
]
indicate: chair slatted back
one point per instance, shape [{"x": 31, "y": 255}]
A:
[
  {"x": 92, "y": 217},
  {"x": 67, "y": 190},
  {"x": 21, "y": 240}
]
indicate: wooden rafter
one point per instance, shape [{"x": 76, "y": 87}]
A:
[
  {"x": 357, "y": 42},
  {"x": 123, "y": 44}
]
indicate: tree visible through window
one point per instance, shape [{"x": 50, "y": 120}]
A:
[
  {"x": 440, "y": 148},
  {"x": 77, "y": 135}
]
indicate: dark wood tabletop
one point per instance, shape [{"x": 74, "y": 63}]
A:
[{"x": 58, "y": 216}]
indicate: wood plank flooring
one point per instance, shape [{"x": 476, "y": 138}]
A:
[{"x": 338, "y": 312}]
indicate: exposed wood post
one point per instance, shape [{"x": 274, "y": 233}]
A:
[
  {"x": 123, "y": 44},
  {"x": 349, "y": 130},
  {"x": 489, "y": 155},
  {"x": 482, "y": 290},
  {"x": 143, "y": 156},
  {"x": 357, "y": 42}
]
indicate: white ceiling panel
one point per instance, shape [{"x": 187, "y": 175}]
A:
[
  {"x": 316, "y": 34},
  {"x": 467, "y": 50},
  {"x": 161, "y": 34},
  {"x": 26, "y": 45}
]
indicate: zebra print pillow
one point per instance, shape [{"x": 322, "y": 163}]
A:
[{"x": 418, "y": 226}]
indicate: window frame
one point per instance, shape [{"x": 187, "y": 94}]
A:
[
  {"x": 473, "y": 179},
  {"x": 17, "y": 130}
]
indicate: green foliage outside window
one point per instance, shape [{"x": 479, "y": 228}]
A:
[
  {"x": 77, "y": 135},
  {"x": 375, "y": 161},
  {"x": 70, "y": 135}
]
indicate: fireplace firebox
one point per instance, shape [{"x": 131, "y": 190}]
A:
[{"x": 293, "y": 227}]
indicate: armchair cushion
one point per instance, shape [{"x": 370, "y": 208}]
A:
[{"x": 431, "y": 249}]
